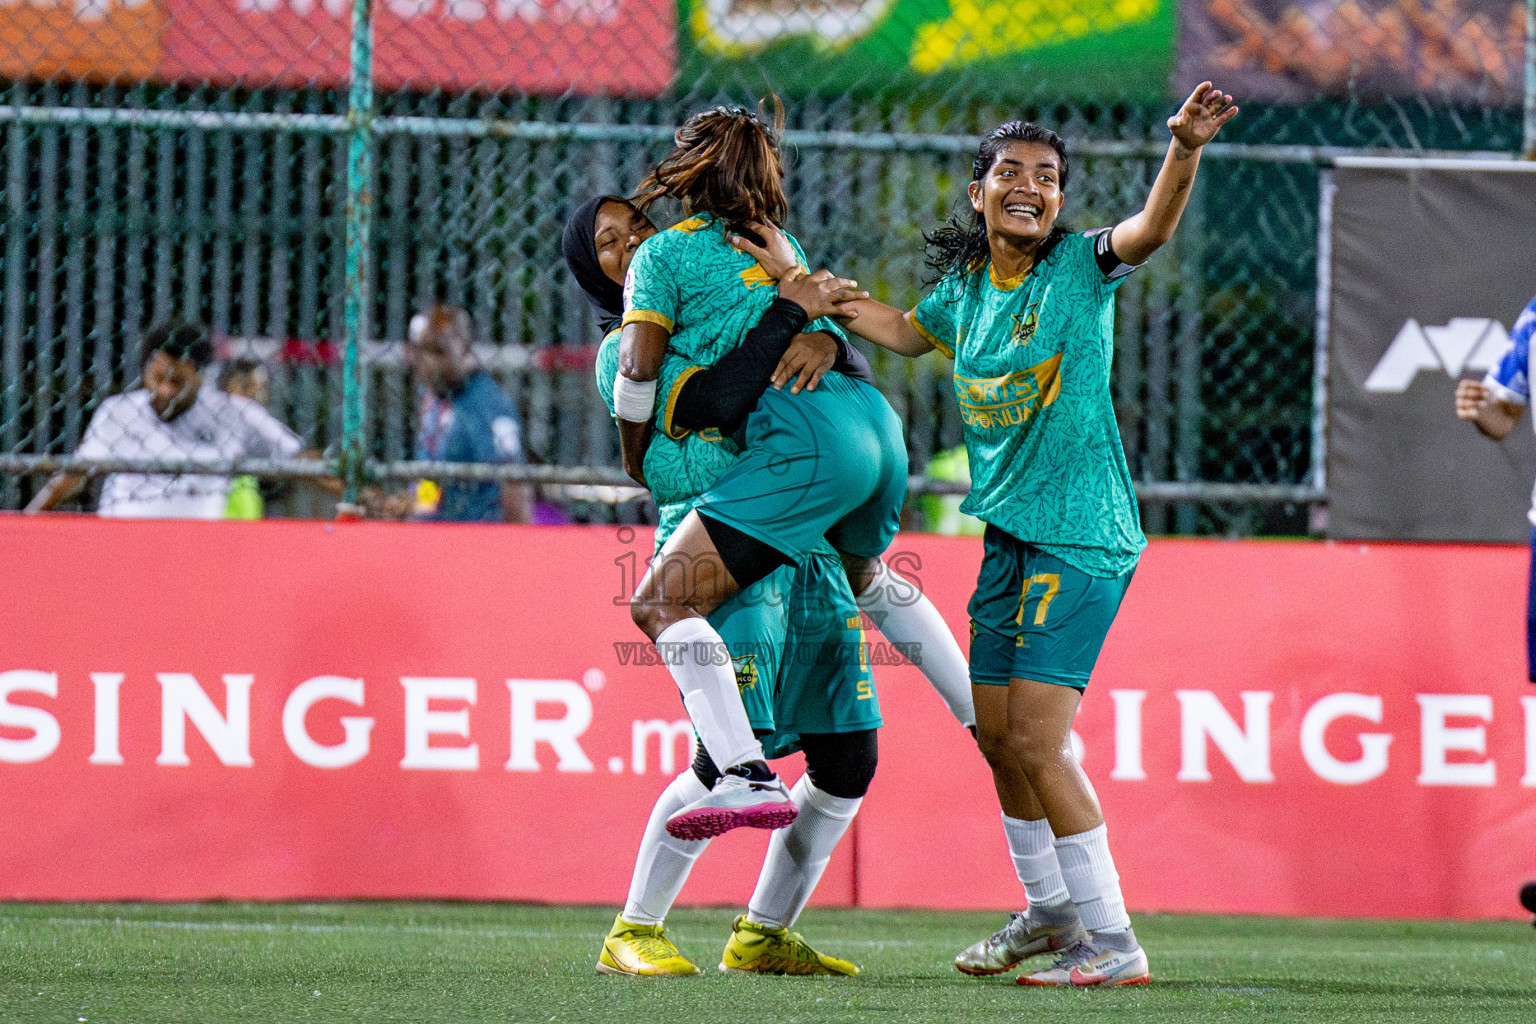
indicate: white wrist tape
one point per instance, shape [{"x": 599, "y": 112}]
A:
[{"x": 633, "y": 400}]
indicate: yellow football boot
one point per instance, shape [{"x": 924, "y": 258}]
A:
[
  {"x": 644, "y": 950},
  {"x": 759, "y": 949}
]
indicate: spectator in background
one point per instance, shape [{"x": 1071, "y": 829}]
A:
[
  {"x": 247, "y": 378},
  {"x": 465, "y": 417},
  {"x": 172, "y": 417}
]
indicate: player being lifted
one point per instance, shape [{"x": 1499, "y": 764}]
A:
[
  {"x": 827, "y": 463},
  {"x": 795, "y": 638},
  {"x": 1026, "y": 310}
]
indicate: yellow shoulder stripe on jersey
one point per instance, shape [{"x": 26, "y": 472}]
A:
[
  {"x": 928, "y": 335},
  {"x": 649, "y": 316},
  {"x": 671, "y": 406},
  {"x": 689, "y": 226},
  {"x": 756, "y": 277}
]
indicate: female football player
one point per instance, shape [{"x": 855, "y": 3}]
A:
[
  {"x": 803, "y": 679},
  {"x": 824, "y": 464},
  {"x": 1026, "y": 310}
]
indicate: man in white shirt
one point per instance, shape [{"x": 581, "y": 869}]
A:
[{"x": 173, "y": 418}]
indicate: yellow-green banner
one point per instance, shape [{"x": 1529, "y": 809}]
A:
[{"x": 1015, "y": 48}]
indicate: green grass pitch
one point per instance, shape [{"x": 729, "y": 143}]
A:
[{"x": 223, "y": 963}]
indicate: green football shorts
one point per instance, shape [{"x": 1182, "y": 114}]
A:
[
  {"x": 1033, "y": 616},
  {"x": 796, "y": 642},
  {"x": 826, "y": 463},
  {"x": 753, "y": 624},
  {"x": 826, "y": 683}
]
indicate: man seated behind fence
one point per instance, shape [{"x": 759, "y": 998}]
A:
[
  {"x": 172, "y": 417},
  {"x": 465, "y": 417}
]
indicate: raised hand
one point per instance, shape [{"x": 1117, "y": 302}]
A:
[{"x": 1201, "y": 116}]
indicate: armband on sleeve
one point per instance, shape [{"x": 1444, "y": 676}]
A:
[{"x": 1104, "y": 255}]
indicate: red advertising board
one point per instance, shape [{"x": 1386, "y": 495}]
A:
[
  {"x": 303, "y": 710},
  {"x": 622, "y": 47},
  {"x": 612, "y": 47}
]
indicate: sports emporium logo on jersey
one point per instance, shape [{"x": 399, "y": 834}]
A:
[{"x": 1466, "y": 343}]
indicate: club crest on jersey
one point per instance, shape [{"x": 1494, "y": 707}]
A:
[
  {"x": 1024, "y": 325},
  {"x": 746, "y": 672}
]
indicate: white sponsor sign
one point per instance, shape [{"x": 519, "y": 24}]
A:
[{"x": 1466, "y": 343}]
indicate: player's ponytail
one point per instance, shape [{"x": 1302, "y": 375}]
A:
[
  {"x": 960, "y": 246},
  {"x": 725, "y": 162}
]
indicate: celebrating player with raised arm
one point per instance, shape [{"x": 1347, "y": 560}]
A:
[
  {"x": 825, "y": 464},
  {"x": 1026, "y": 310}
]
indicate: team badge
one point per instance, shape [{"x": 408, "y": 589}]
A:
[
  {"x": 1024, "y": 325},
  {"x": 746, "y": 672}
]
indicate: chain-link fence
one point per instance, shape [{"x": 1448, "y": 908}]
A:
[{"x": 304, "y": 176}]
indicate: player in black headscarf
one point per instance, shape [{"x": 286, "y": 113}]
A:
[
  {"x": 588, "y": 246},
  {"x": 601, "y": 236}
]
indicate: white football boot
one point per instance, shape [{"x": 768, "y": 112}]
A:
[
  {"x": 1022, "y": 937},
  {"x": 735, "y": 802},
  {"x": 1087, "y": 964}
]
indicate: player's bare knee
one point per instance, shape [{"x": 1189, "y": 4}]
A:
[
  {"x": 647, "y": 612},
  {"x": 996, "y": 748},
  {"x": 1032, "y": 751}
]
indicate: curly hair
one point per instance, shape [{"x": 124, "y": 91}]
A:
[
  {"x": 960, "y": 246},
  {"x": 725, "y": 162}
]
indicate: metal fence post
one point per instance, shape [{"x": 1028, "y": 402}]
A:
[
  {"x": 359, "y": 219},
  {"x": 1326, "y": 187},
  {"x": 1530, "y": 80}
]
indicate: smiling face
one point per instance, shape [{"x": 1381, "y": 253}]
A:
[
  {"x": 1020, "y": 195},
  {"x": 617, "y": 232}
]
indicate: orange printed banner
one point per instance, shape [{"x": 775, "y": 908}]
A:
[
  {"x": 1293, "y": 51},
  {"x": 94, "y": 40}
]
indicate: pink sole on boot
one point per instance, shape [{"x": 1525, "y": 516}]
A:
[{"x": 708, "y": 822}]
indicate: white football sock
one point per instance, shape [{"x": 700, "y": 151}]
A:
[
  {"x": 1033, "y": 850},
  {"x": 1092, "y": 880},
  {"x": 798, "y": 855},
  {"x": 904, "y": 615},
  {"x": 692, "y": 651},
  {"x": 663, "y": 863}
]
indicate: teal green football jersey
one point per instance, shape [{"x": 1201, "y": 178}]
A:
[
  {"x": 679, "y": 469},
  {"x": 1032, "y": 376},
  {"x": 707, "y": 295}
]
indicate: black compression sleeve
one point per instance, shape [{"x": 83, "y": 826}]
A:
[
  {"x": 722, "y": 395},
  {"x": 851, "y": 363}
]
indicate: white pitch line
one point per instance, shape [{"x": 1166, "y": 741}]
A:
[
  {"x": 260, "y": 926},
  {"x": 328, "y": 929}
]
